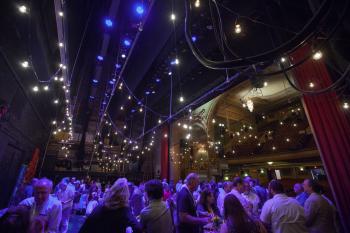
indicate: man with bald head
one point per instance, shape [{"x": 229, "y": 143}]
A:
[
  {"x": 44, "y": 206},
  {"x": 186, "y": 207}
]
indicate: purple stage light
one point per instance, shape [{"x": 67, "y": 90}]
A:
[
  {"x": 95, "y": 81},
  {"x": 158, "y": 80},
  {"x": 100, "y": 58},
  {"x": 117, "y": 66},
  {"x": 194, "y": 38},
  {"x": 127, "y": 42},
  {"x": 139, "y": 9},
  {"x": 108, "y": 22}
]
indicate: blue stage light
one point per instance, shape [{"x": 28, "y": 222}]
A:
[
  {"x": 117, "y": 66},
  {"x": 194, "y": 38},
  {"x": 108, "y": 22},
  {"x": 111, "y": 82},
  {"x": 100, "y": 58},
  {"x": 140, "y": 10},
  {"x": 158, "y": 80},
  {"x": 95, "y": 81},
  {"x": 127, "y": 42}
]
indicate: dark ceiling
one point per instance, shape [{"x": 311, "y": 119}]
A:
[{"x": 155, "y": 42}]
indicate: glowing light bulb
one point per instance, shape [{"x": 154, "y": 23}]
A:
[
  {"x": 213, "y": 121},
  {"x": 317, "y": 55},
  {"x": 60, "y": 13},
  {"x": 238, "y": 28},
  {"x": 181, "y": 99},
  {"x": 159, "y": 121},
  {"x": 56, "y": 101},
  {"x": 22, "y": 9},
  {"x": 25, "y": 64},
  {"x": 265, "y": 84},
  {"x": 283, "y": 59},
  {"x": 346, "y": 105},
  {"x": 35, "y": 88},
  {"x": 172, "y": 16},
  {"x": 311, "y": 85},
  {"x": 46, "y": 88},
  {"x": 140, "y": 110},
  {"x": 60, "y": 44},
  {"x": 197, "y": 3},
  {"x": 287, "y": 140}
]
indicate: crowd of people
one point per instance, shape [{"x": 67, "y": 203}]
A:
[{"x": 238, "y": 206}]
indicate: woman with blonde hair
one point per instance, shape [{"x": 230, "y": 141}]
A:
[{"x": 114, "y": 214}]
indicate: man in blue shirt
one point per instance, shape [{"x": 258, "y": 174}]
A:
[{"x": 301, "y": 195}]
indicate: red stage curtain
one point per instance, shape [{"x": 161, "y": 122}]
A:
[
  {"x": 331, "y": 128},
  {"x": 164, "y": 151},
  {"x": 30, "y": 173}
]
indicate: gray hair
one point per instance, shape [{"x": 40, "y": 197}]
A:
[
  {"x": 44, "y": 182},
  {"x": 191, "y": 178}
]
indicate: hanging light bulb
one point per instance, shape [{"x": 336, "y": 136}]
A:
[
  {"x": 159, "y": 121},
  {"x": 60, "y": 44},
  {"x": 22, "y": 9},
  {"x": 35, "y": 88},
  {"x": 311, "y": 85},
  {"x": 213, "y": 121},
  {"x": 197, "y": 3},
  {"x": 60, "y": 13},
  {"x": 346, "y": 105},
  {"x": 172, "y": 16},
  {"x": 265, "y": 84},
  {"x": 181, "y": 99},
  {"x": 317, "y": 55},
  {"x": 56, "y": 101},
  {"x": 283, "y": 59},
  {"x": 238, "y": 28},
  {"x": 141, "y": 110},
  {"x": 46, "y": 88},
  {"x": 25, "y": 64}
]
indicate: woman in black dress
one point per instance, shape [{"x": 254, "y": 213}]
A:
[{"x": 114, "y": 214}]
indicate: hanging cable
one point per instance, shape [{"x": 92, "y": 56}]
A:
[
  {"x": 321, "y": 91},
  {"x": 300, "y": 38}
]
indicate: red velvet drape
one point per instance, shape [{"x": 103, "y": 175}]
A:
[
  {"x": 30, "y": 173},
  {"x": 164, "y": 151},
  {"x": 330, "y": 126}
]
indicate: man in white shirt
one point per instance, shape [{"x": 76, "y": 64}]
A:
[
  {"x": 320, "y": 215},
  {"x": 251, "y": 197},
  {"x": 237, "y": 190},
  {"x": 65, "y": 195},
  {"x": 220, "y": 201},
  {"x": 283, "y": 214},
  {"x": 44, "y": 206}
]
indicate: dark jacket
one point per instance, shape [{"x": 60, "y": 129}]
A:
[
  {"x": 110, "y": 221},
  {"x": 186, "y": 204}
]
